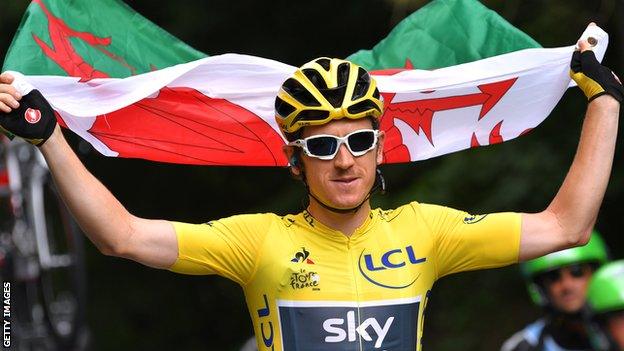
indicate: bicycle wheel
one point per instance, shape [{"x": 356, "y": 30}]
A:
[{"x": 63, "y": 277}]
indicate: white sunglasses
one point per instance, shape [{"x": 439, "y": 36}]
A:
[{"x": 326, "y": 146}]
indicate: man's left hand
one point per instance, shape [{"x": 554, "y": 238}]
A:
[{"x": 593, "y": 78}]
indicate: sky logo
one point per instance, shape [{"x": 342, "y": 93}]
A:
[
  {"x": 342, "y": 325},
  {"x": 338, "y": 330}
]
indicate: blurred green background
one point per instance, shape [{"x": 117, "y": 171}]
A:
[{"x": 139, "y": 308}]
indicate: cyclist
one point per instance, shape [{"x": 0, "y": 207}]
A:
[
  {"x": 340, "y": 275},
  {"x": 605, "y": 306},
  {"x": 558, "y": 282}
]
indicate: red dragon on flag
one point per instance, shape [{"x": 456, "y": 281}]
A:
[{"x": 65, "y": 55}]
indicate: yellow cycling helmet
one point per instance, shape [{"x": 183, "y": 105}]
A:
[{"x": 323, "y": 90}]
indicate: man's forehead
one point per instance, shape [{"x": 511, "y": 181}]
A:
[{"x": 340, "y": 127}]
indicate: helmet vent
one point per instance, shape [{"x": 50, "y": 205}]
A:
[
  {"x": 324, "y": 62},
  {"x": 283, "y": 108},
  {"x": 311, "y": 115},
  {"x": 316, "y": 78},
  {"x": 361, "y": 85},
  {"x": 297, "y": 91},
  {"x": 362, "y": 106},
  {"x": 335, "y": 96},
  {"x": 343, "y": 73}
]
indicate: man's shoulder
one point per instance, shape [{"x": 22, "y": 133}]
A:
[
  {"x": 410, "y": 206},
  {"x": 416, "y": 208},
  {"x": 246, "y": 220}
]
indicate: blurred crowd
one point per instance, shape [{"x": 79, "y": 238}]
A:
[{"x": 581, "y": 293}]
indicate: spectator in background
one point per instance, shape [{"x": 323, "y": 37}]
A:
[
  {"x": 558, "y": 282},
  {"x": 605, "y": 307}
]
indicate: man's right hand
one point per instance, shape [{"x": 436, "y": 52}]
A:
[
  {"x": 30, "y": 116},
  {"x": 9, "y": 96}
]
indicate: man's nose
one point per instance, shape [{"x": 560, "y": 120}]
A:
[
  {"x": 344, "y": 159},
  {"x": 566, "y": 278}
]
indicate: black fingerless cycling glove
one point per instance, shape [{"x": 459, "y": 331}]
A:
[
  {"x": 593, "y": 78},
  {"x": 33, "y": 121}
]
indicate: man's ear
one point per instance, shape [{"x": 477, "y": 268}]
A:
[
  {"x": 294, "y": 160},
  {"x": 381, "y": 138}
]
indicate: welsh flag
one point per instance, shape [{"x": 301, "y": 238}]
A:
[{"x": 175, "y": 106}]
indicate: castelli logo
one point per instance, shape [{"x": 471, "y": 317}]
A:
[{"x": 32, "y": 116}]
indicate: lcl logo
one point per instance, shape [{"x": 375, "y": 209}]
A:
[
  {"x": 266, "y": 326},
  {"x": 391, "y": 259}
]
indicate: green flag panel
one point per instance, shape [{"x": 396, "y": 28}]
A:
[
  {"x": 445, "y": 33},
  {"x": 92, "y": 39}
]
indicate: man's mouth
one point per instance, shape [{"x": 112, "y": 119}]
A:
[
  {"x": 569, "y": 296},
  {"x": 346, "y": 180}
]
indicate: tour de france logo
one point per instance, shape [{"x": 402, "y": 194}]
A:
[{"x": 304, "y": 278}]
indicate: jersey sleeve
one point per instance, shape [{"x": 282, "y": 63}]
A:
[
  {"x": 227, "y": 247},
  {"x": 465, "y": 242}
]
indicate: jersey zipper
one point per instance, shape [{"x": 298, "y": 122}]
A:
[{"x": 353, "y": 257}]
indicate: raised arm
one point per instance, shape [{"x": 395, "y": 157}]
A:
[
  {"x": 571, "y": 215},
  {"x": 106, "y": 222}
]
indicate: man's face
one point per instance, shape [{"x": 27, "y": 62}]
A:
[
  {"x": 615, "y": 327},
  {"x": 345, "y": 180},
  {"x": 567, "y": 287}
]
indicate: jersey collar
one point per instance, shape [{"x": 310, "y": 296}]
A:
[{"x": 306, "y": 219}]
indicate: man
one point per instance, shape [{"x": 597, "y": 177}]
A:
[
  {"x": 605, "y": 307},
  {"x": 339, "y": 275},
  {"x": 558, "y": 282}
]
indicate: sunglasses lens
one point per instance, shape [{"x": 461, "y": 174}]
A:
[
  {"x": 552, "y": 276},
  {"x": 325, "y": 146},
  {"x": 322, "y": 146},
  {"x": 361, "y": 141},
  {"x": 577, "y": 271}
]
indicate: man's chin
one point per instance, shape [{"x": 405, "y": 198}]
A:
[
  {"x": 342, "y": 200},
  {"x": 345, "y": 204},
  {"x": 571, "y": 310}
]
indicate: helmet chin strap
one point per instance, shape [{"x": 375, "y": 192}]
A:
[{"x": 380, "y": 184}]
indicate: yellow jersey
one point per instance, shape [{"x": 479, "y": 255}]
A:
[{"x": 309, "y": 287}]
